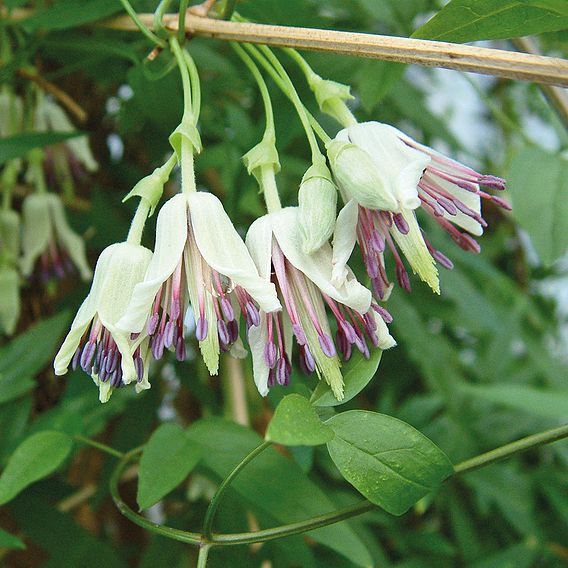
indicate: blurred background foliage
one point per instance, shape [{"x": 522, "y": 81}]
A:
[{"x": 481, "y": 365}]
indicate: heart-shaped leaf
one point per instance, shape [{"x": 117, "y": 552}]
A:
[
  {"x": 166, "y": 461},
  {"x": 295, "y": 423},
  {"x": 36, "y": 457},
  {"x": 387, "y": 460}
]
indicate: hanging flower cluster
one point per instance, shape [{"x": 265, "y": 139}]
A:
[
  {"x": 289, "y": 281},
  {"x": 40, "y": 240}
]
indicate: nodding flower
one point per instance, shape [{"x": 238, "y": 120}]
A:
[
  {"x": 306, "y": 286},
  {"x": 390, "y": 175},
  {"x": 112, "y": 357},
  {"x": 9, "y": 277},
  {"x": 199, "y": 261},
  {"x": 47, "y": 237}
]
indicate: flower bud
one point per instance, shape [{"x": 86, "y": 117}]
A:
[
  {"x": 9, "y": 234},
  {"x": 317, "y": 199},
  {"x": 358, "y": 176}
]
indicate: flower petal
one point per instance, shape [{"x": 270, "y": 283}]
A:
[
  {"x": 71, "y": 241},
  {"x": 85, "y": 314},
  {"x": 317, "y": 266},
  {"x": 416, "y": 252},
  {"x": 37, "y": 230},
  {"x": 224, "y": 250},
  {"x": 344, "y": 239},
  {"x": 259, "y": 244},
  {"x": 171, "y": 236},
  {"x": 401, "y": 166}
]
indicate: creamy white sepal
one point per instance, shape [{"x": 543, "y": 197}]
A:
[
  {"x": 171, "y": 236},
  {"x": 9, "y": 299},
  {"x": 224, "y": 250},
  {"x": 259, "y": 243},
  {"x": 344, "y": 238},
  {"x": 401, "y": 167},
  {"x": 37, "y": 230},
  {"x": 317, "y": 266}
]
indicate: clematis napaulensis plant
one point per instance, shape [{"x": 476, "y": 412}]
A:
[
  {"x": 390, "y": 176},
  {"x": 112, "y": 357}
]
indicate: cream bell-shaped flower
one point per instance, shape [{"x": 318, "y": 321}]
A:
[
  {"x": 412, "y": 176},
  {"x": 48, "y": 237},
  {"x": 199, "y": 261},
  {"x": 94, "y": 343},
  {"x": 304, "y": 283}
]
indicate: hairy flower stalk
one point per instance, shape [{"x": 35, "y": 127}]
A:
[{"x": 389, "y": 176}]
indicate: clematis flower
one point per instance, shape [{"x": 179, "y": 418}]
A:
[
  {"x": 48, "y": 237},
  {"x": 304, "y": 283},
  {"x": 389, "y": 176},
  {"x": 199, "y": 260},
  {"x": 94, "y": 343}
]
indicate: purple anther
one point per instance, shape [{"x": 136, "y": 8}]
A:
[
  {"x": 372, "y": 266},
  {"x": 469, "y": 243},
  {"x": 493, "y": 182},
  {"x": 271, "y": 378},
  {"x": 377, "y": 241},
  {"x": 152, "y": 324},
  {"x": 111, "y": 361},
  {"x": 401, "y": 223},
  {"x": 270, "y": 355},
  {"x": 223, "y": 331},
  {"x": 370, "y": 323},
  {"x": 233, "y": 328},
  {"x": 169, "y": 334},
  {"x": 76, "y": 358},
  {"x": 384, "y": 313},
  {"x": 87, "y": 355},
  {"x": 299, "y": 333},
  {"x": 201, "y": 329},
  {"x": 308, "y": 358},
  {"x": 386, "y": 218},
  {"x": 180, "y": 349},
  {"x": 227, "y": 308},
  {"x": 158, "y": 346},
  {"x": 348, "y": 330},
  {"x": 443, "y": 260},
  {"x": 116, "y": 379},
  {"x": 282, "y": 372},
  {"x": 252, "y": 313},
  {"x": 449, "y": 206},
  {"x": 327, "y": 345}
]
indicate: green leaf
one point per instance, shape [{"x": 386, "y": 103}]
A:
[
  {"x": 273, "y": 484},
  {"x": 387, "y": 460},
  {"x": 471, "y": 20},
  {"x": 36, "y": 457},
  {"x": 295, "y": 423},
  {"x": 548, "y": 403},
  {"x": 167, "y": 459},
  {"x": 27, "y": 354},
  {"x": 8, "y": 540},
  {"x": 357, "y": 373},
  {"x": 539, "y": 183},
  {"x": 19, "y": 145},
  {"x": 70, "y": 13}
]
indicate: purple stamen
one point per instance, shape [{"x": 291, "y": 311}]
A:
[
  {"x": 501, "y": 203},
  {"x": 271, "y": 378},
  {"x": 227, "y": 308},
  {"x": 443, "y": 260},
  {"x": 493, "y": 182},
  {"x": 180, "y": 349},
  {"x": 76, "y": 358},
  {"x": 283, "y": 371},
  {"x": 401, "y": 223},
  {"x": 233, "y": 328},
  {"x": 385, "y": 314},
  {"x": 377, "y": 241},
  {"x": 252, "y": 313},
  {"x": 402, "y": 278},
  {"x": 87, "y": 355},
  {"x": 139, "y": 365},
  {"x": 326, "y": 344},
  {"x": 169, "y": 334},
  {"x": 152, "y": 323},
  {"x": 308, "y": 359},
  {"x": 201, "y": 329},
  {"x": 270, "y": 354},
  {"x": 299, "y": 333},
  {"x": 223, "y": 332}
]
